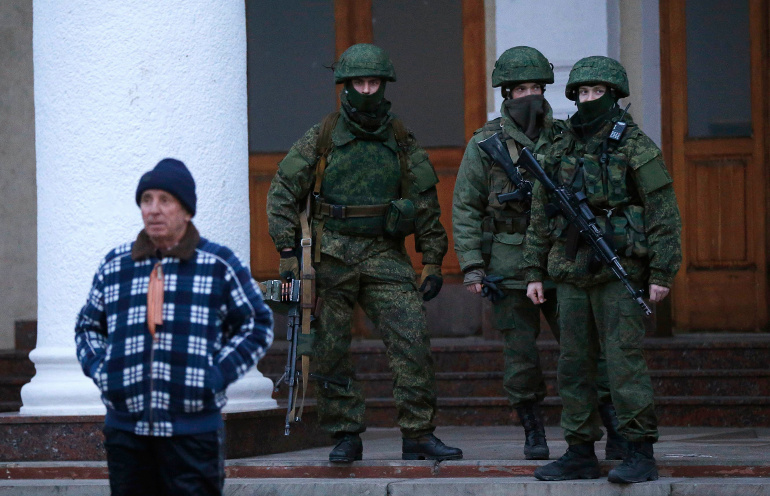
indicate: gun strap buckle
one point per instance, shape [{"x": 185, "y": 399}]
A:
[
  {"x": 337, "y": 211},
  {"x": 306, "y": 242}
]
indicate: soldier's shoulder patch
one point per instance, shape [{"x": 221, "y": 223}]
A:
[
  {"x": 649, "y": 169},
  {"x": 306, "y": 145},
  {"x": 424, "y": 175}
]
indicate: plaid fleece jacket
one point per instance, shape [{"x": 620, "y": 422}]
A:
[{"x": 215, "y": 327}]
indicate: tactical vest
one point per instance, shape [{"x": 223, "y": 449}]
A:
[
  {"x": 603, "y": 173},
  {"x": 358, "y": 186},
  {"x": 502, "y": 217}
]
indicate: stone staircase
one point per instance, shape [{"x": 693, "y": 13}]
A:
[
  {"x": 16, "y": 369},
  {"x": 715, "y": 380}
]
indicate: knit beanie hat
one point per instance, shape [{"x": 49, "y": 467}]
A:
[{"x": 172, "y": 176}]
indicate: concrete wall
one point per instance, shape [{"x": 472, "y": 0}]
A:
[
  {"x": 567, "y": 30},
  {"x": 640, "y": 55},
  {"x": 18, "y": 210},
  {"x": 564, "y": 31}
]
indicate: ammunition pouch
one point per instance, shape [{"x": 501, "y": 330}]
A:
[
  {"x": 490, "y": 226},
  {"x": 399, "y": 220}
]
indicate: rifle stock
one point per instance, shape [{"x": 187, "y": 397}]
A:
[{"x": 494, "y": 147}]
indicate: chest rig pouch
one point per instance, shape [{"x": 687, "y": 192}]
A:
[
  {"x": 508, "y": 207},
  {"x": 397, "y": 216},
  {"x": 605, "y": 179}
]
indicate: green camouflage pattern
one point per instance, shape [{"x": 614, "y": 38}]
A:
[
  {"x": 478, "y": 183},
  {"x": 596, "y": 314},
  {"x": 364, "y": 60},
  {"x": 373, "y": 271},
  {"x": 362, "y": 172},
  {"x": 385, "y": 288},
  {"x": 597, "y": 70},
  {"x": 296, "y": 175},
  {"x": 518, "y": 320},
  {"x": 652, "y": 253},
  {"x": 590, "y": 319},
  {"x": 521, "y": 64}
]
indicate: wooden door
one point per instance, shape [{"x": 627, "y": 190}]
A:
[
  {"x": 352, "y": 23},
  {"x": 714, "y": 67}
]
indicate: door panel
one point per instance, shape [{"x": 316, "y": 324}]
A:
[
  {"x": 717, "y": 156},
  {"x": 353, "y": 24}
]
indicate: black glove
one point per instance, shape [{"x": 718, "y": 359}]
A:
[
  {"x": 490, "y": 290},
  {"x": 431, "y": 281}
]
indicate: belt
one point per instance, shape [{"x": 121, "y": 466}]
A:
[{"x": 350, "y": 211}]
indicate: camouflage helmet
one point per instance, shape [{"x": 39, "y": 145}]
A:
[
  {"x": 364, "y": 60},
  {"x": 597, "y": 70},
  {"x": 521, "y": 64}
]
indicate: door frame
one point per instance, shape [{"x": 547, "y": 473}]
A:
[{"x": 693, "y": 308}]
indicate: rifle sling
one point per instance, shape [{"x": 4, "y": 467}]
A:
[{"x": 307, "y": 275}]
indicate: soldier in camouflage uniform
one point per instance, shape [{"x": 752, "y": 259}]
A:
[
  {"x": 371, "y": 185},
  {"x": 630, "y": 191},
  {"x": 489, "y": 236}
]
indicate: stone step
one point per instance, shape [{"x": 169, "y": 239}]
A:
[
  {"x": 10, "y": 388},
  {"x": 10, "y": 406},
  {"x": 665, "y": 383},
  {"x": 16, "y": 362},
  {"x": 500, "y": 484},
  {"x": 707, "y": 411},
  {"x": 742, "y": 352}
]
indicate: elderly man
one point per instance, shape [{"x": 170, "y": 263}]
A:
[{"x": 171, "y": 320}]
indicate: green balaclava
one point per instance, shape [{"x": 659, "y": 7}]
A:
[{"x": 527, "y": 112}]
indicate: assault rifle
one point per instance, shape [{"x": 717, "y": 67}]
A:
[
  {"x": 574, "y": 207},
  {"x": 523, "y": 191},
  {"x": 286, "y": 297}
]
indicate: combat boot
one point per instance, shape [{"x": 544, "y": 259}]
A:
[
  {"x": 428, "y": 447},
  {"x": 616, "y": 446},
  {"x": 535, "y": 446},
  {"x": 638, "y": 465},
  {"x": 579, "y": 462},
  {"x": 349, "y": 448}
]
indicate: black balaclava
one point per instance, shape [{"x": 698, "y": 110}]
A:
[
  {"x": 591, "y": 116},
  {"x": 527, "y": 112},
  {"x": 590, "y": 111},
  {"x": 369, "y": 111}
]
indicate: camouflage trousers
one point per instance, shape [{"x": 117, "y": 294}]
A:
[
  {"x": 518, "y": 320},
  {"x": 384, "y": 286},
  {"x": 592, "y": 320}
]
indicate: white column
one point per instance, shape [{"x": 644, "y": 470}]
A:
[
  {"x": 119, "y": 85},
  {"x": 573, "y": 29}
]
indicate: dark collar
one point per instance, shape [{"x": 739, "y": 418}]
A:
[{"x": 144, "y": 248}]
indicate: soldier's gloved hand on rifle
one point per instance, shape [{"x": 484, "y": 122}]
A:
[
  {"x": 490, "y": 289},
  {"x": 288, "y": 267},
  {"x": 473, "y": 278},
  {"x": 431, "y": 281}
]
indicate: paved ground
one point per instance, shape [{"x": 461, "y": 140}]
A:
[
  {"x": 697, "y": 445},
  {"x": 692, "y": 461}
]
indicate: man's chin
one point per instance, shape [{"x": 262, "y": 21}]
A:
[{"x": 155, "y": 232}]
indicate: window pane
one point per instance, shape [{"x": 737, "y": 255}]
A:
[
  {"x": 718, "y": 68},
  {"x": 424, "y": 40},
  {"x": 289, "y": 43}
]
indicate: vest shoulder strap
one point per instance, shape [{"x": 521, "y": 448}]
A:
[{"x": 324, "y": 143}]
